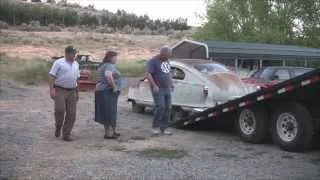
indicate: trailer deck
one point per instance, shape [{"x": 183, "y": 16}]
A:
[{"x": 303, "y": 89}]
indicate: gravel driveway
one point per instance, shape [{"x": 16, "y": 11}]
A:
[{"x": 28, "y": 149}]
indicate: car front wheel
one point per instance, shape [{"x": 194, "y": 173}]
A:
[{"x": 137, "y": 108}]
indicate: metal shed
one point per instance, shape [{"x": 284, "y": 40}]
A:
[
  {"x": 238, "y": 53},
  {"x": 188, "y": 49}
]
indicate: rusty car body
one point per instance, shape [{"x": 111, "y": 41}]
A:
[{"x": 198, "y": 85}]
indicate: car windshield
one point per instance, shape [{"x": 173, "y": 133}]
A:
[
  {"x": 263, "y": 73},
  {"x": 211, "y": 68}
]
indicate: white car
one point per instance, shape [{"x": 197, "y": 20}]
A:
[{"x": 198, "y": 85}]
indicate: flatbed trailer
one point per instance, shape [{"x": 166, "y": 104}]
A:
[{"x": 289, "y": 112}]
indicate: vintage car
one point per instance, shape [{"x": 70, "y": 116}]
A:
[
  {"x": 199, "y": 84},
  {"x": 271, "y": 75}
]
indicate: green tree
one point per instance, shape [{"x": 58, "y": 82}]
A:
[{"x": 267, "y": 21}]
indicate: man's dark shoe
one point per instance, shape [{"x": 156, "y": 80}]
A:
[
  {"x": 116, "y": 134},
  {"x": 58, "y": 132},
  {"x": 67, "y": 139}
]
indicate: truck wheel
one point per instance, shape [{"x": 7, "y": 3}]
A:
[
  {"x": 291, "y": 127},
  {"x": 252, "y": 125},
  {"x": 137, "y": 108}
]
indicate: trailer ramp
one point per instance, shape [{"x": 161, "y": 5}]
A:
[{"x": 302, "y": 83}]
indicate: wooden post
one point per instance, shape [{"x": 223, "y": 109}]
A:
[
  {"x": 236, "y": 64},
  {"x": 260, "y": 63},
  {"x": 305, "y": 62},
  {"x": 283, "y": 62}
]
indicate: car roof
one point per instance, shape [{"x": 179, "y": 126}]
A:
[
  {"x": 192, "y": 62},
  {"x": 286, "y": 67}
]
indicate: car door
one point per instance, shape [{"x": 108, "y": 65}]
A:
[
  {"x": 188, "y": 89},
  {"x": 281, "y": 75},
  {"x": 141, "y": 93}
]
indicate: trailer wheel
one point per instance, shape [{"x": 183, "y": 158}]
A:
[
  {"x": 291, "y": 127},
  {"x": 137, "y": 108},
  {"x": 252, "y": 125}
]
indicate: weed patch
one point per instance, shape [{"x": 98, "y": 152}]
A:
[{"x": 163, "y": 153}]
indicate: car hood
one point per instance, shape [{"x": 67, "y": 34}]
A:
[
  {"x": 260, "y": 82},
  {"x": 229, "y": 85}
]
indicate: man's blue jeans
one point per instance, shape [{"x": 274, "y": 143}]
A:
[{"x": 162, "y": 108}]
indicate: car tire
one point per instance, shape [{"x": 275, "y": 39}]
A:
[
  {"x": 291, "y": 127},
  {"x": 252, "y": 125},
  {"x": 176, "y": 115},
  {"x": 137, "y": 108}
]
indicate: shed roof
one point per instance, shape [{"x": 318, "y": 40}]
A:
[
  {"x": 227, "y": 49},
  {"x": 233, "y": 50}
]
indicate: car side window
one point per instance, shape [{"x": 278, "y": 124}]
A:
[
  {"x": 177, "y": 73},
  {"x": 282, "y": 74},
  {"x": 298, "y": 72}
]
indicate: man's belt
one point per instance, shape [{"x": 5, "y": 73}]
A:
[{"x": 67, "y": 89}]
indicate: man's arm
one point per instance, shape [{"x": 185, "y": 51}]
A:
[
  {"x": 149, "y": 71},
  {"x": 52, "y": 79},
  {"x": 151, "y": 80},
  {"x": 170, "y": 81}
]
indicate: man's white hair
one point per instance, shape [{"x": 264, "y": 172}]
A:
[{"x": 165, "y": 49}]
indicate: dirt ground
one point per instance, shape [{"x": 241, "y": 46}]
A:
[{"x": 29, "y": 150}]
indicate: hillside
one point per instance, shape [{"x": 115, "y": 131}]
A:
[{"x": 43, "y": 45}]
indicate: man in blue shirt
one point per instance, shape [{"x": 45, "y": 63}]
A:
[{"x": 159, "y": 76}]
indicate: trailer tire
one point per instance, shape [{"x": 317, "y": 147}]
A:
[
  {"x": 252, "y": 125},
  {"x": 291, "y": 127},
  {"x": 137, "y": 108}
]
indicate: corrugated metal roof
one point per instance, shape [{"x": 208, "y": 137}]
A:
[{"x": 227, "y": 49}]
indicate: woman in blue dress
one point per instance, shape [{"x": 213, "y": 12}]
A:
[{"x": 109, "y": 84}]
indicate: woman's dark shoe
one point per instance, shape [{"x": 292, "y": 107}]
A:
[
  {"x": 68, "y": 139},
  {"x": 110, "y": 137},
  {"x": 116, "y": 134}
]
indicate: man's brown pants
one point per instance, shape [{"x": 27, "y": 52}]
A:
[{"x": 65, "y": 104}]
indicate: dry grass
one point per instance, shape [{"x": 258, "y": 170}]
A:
[
  {"x": 30, "y": 45},
  {"x": 28, "y": 54},
  {"x": 30, "y": 72}
]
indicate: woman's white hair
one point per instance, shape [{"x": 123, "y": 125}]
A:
[{"x": 165, "y": 49}]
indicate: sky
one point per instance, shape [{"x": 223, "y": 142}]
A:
[{"x": 162, "y": 9}]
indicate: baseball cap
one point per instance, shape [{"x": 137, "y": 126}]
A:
[{"x": 70, "y": 49}]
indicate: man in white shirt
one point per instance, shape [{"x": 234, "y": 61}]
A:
[{"x": 64, "y": 75}]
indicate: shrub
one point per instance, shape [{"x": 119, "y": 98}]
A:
[
  {"x": 53, "y": 27},
  {"x": 105, "y": 29},
  {"x": 35, "y": 73},
  {"x": 4, "y": 25},
  {"x": 170, "y": 32},
  {"x": 177, "y": 35},
  {"x": 161, "y": 30},
  {"x": 146, "y": 31},
  {"x": 132, "y": 69},
  {"x": 73, "y": 29},
  {"x": 127, "y": 29}
]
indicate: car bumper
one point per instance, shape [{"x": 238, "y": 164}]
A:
[{"x": 193, "y": 109}]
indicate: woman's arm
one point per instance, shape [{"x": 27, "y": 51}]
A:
[{"x": 110, "y": 79}]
